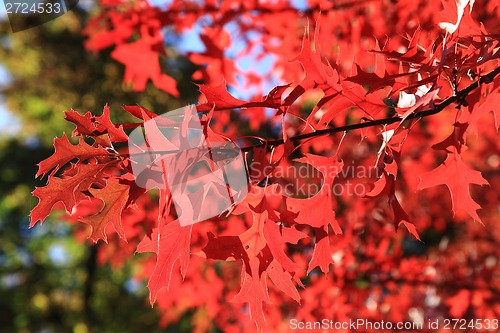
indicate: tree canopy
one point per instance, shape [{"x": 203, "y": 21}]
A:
[{"x": 344, "y": 117}]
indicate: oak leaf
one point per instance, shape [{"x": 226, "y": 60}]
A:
[
  {"x": 66, "y": 152},
  {"x": 63, "y": 190},
  {"x": 457, "y": 176},
  {"x": 171, "y": 243},
  {"x": 114, "y": 197}
]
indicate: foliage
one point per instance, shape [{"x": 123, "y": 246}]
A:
[
  {"x": 373, "y": 108},
  {"x": 50, "y": 281}
]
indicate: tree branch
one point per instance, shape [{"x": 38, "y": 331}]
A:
[{"x": 460, "y": 95}]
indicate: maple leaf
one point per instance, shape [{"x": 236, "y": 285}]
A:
[
  {"x": 114, "y": 197},
  {"x": 63, "y": 190},
  {"x": 66, "y": 152},
  {"x": 141, "y": 64},
  {"x": 457, "y": 176}
]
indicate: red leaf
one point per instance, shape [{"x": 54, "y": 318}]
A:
[
  {"x": 304, "y": 211},
  {"x": 253, "y": 291},
  {"x": 114, "y": 197},
  {"x": 322, "y": 255},
  {"x": 402, "y": 218},
  {"x": 104, "y": 125},
  {"x": 489, "y": 103},
  {"x": 219, "y": 98},
  {"x": 453, "y": 12},
  {"x": 141, "y": 64},
  {"x": 171, "y": 244},
  {"x": 456, "y": 139},
  {"x": 385, "y": 185},
  {"x": 283, "y": 280},
  {"x": 101, "y": 37},
  {"x": 372, "y": 79},
  {"x": 216, "y": 65},
  {"x": 317, "y": 72},
  {"x": 457, "y": 177},
  {"x": 84, "y": 124},
  {"x": 63, "y": 190},
  {"x": 260, "y": 249},
  {"x": 95, "y": 126},
  {"x": 65, "y": 152},
  {"x": 138, "y": 111},
  {"x": 275, "y": 241}
]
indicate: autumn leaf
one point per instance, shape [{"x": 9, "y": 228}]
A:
[
  {"x": 114, "y": 197},
  {"x": 271, "y": 241},
  {"x": 385, "y": 186},
  {"x": 104, "y": 125},
  {"x": 95, "y": 126},
  {"x": 261, "y": 251},
  {"x": 84, "y": 124},
  {"x": 487, "y": 104},
  {"x": 139, "y": 111},
  {"x": 454, "y": 10},
  {"x": 218, "y": 98},
  {"x": 171, "y": 244},
  {"x": 318, "y": 71},
  {"x": 141, "y": 64},
  {"x": 322, "y": 255},
  {"x": 63, "y": 190},
  {"x": 303, "y": 211},
  {"x": 457, "y": 176},
  {"x": 66, "y": 152}
]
